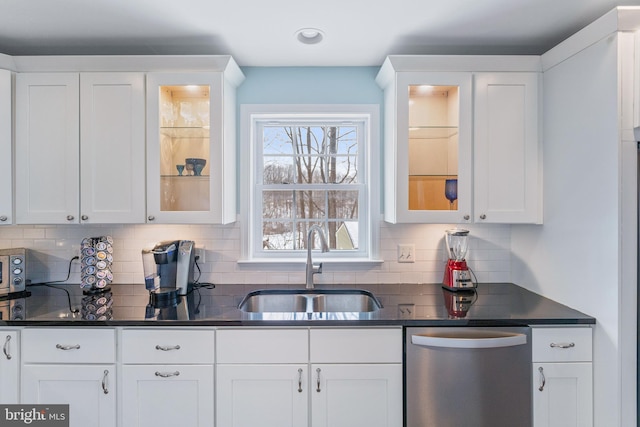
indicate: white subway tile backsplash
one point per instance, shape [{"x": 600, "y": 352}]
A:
[{"x": 489, "y": 254}]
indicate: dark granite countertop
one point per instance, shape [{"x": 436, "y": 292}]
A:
[{"x": 493, "y": 304}]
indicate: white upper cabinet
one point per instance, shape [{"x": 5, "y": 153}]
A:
[
  {"x": 6, "y": 155},
  {"x": 112, "y": 148},
  {"x": 427, "y": 147},
  {"x": 58, "y": 117},
  {"x": 191, "y": 146},
  {"x": 507, "y": 157},
  {"x": 461, "y": 139},
  {"x": 47, "y": 150}
]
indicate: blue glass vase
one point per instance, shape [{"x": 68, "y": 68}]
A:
[{"x": 451, "y": 191}]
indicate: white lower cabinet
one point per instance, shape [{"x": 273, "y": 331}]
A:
[
  {"x": 350, "y": 377},
  {"x": 562, "y": 377},
  {"x": 74, "y": 366},
  {"x": 9, "y": 366},
  {"x": 262, "y": 395},
  {"x": 167, "y": 377}
]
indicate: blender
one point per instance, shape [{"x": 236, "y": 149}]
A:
[{"x": 457, "y": 274}]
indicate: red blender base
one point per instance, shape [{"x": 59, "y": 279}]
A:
[{"x": 457, "y": 275}]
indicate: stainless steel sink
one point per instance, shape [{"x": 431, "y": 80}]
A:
[{"x": 310, "y": 301}]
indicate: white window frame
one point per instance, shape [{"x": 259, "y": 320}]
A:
[{"x": 252, "y": 115}]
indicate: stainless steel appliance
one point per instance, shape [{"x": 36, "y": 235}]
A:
[
  {"x": 168, "y": 270},
  {"x": 13, "y": 270},
  {"x": 13, "y": 309},
  {"x": 465, "y": 376}
]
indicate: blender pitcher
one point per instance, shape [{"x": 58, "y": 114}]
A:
[{"x": 457, "y": 274}]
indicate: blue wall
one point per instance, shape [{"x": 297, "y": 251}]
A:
[{"x": 310, "y": 85}]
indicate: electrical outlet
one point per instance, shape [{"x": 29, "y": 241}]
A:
[
  {"x": 200, "y": 254},
  {"x": 406, "y": 311},
  {"x": 407, "y": 252}
]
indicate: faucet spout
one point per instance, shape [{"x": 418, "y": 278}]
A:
[{"x": 311, "y": 267}]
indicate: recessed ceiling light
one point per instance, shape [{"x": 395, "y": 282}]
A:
[{"x": 309, "y": 35}]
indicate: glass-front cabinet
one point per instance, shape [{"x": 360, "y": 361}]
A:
[
  {"x": 428, "y": 151},
  {"x": 191, "y": 147}
]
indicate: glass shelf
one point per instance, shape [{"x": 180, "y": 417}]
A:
[
  {"x": 185, "y": 132},
  {"x": 432, "y": 132}
]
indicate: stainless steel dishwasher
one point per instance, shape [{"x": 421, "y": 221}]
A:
[{"x": 468, "y": 377}]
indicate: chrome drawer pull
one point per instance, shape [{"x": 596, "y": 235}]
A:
[
  {"x": 167, "y": 374},
  {"x": 105, "y": 390},
  {"x": 300, "y": 380},
  {"x": 68, "y": 347},
  {"x": 543, "y": 380},
  {"x": 167, "y": 347},
  {"x": 562, "y": 345},
  {"x": 6, "y": 349},
  {"x": 318, "y": 381}
]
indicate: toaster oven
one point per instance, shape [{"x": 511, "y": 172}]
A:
[
  {"x": 13, "y": 309},
  {"x": 14, "y": 270}
]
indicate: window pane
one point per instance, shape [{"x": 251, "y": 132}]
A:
[
  {"x": 277, "y": 235},
  {"x": 346, "y": 235},
  {"x": 310, "y": 204},
  {"x": 276, "y": 140},
  {"x": 343, "y": 170},
  {"x": 277, "y": 204},
  {"x": 346, "y": 140},
  {"x": 303, "y": 228},
  {"x": 342, "y": 204},
  {"x": 278, "y": 170}
]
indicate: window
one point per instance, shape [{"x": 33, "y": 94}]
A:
[{"x": 304, "y": 166}]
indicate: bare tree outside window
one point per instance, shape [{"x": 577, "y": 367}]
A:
[{"x": 310, "y": 176}]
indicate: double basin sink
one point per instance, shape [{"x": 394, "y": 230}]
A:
[{"x": 310, "y": 303}]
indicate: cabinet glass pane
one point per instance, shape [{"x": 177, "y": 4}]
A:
[
  {"x": 433, "y": 147},
  {"x": 184, "y": 148}
]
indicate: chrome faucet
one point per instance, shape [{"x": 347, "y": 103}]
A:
[{"x": 311, "y": 267}]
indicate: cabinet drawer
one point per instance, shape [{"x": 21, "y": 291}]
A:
[
  {"x": 381, "y": 345},
  {"x": 263, "y": 346},
  {"x": 167, "y": 346},
  {"x": 69, "y": 345},
  {"x": 562, "y": 344}
]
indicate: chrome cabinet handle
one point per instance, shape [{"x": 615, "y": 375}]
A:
[
  {"x": 318, "y": 380},
  {"x": 6, "y": 349},
  {"x": 105, "y": 376},
  {"x": 84, "y": 217},
  {"x": 167, "y": 347},
  {"x": 466, "y": 217},
  {"x": 300, "y": 380},
  {"x": 151, "y": 218},
  {"x": 70, "y": 217},
  {"x": 68, "y": 347},
  {"x": 543, "y": 380},
  {"x": 3, "y": 218},
  {"x": 167, "y": 374},
  {"x": 483, "y": 216},
  {"x": 562, "y": 345}
]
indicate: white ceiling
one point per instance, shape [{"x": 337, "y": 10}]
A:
[{"x": 261, "y": 33}]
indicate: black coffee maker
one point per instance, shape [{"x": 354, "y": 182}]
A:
[{"x": 168, "y": 270}]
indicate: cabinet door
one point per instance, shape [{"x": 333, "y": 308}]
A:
[
  {"x": 356, "y": 395},
  {"x": 262, "y": 395},
  {"x": 507, "y": 177},
  {"x": 6, "y": 156},
  {"x": 89, "y": 390},
  {"x": 9, "y": 367},
  {"x": 47, "y": 154},
  {"x": 428, "y": 148},
  {"x": 189, "y": 157},
  {"x": 112, "y": 147},
  {"x": 167, "y": 395},
  {"x": 562, "y": 395}
]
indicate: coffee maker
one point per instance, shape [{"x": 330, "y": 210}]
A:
[
  {"x": 457, "y": 274},
  {"x": 168, "y": 270}
]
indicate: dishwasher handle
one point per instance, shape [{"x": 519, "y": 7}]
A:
[{"x": 470, "y": 339}]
